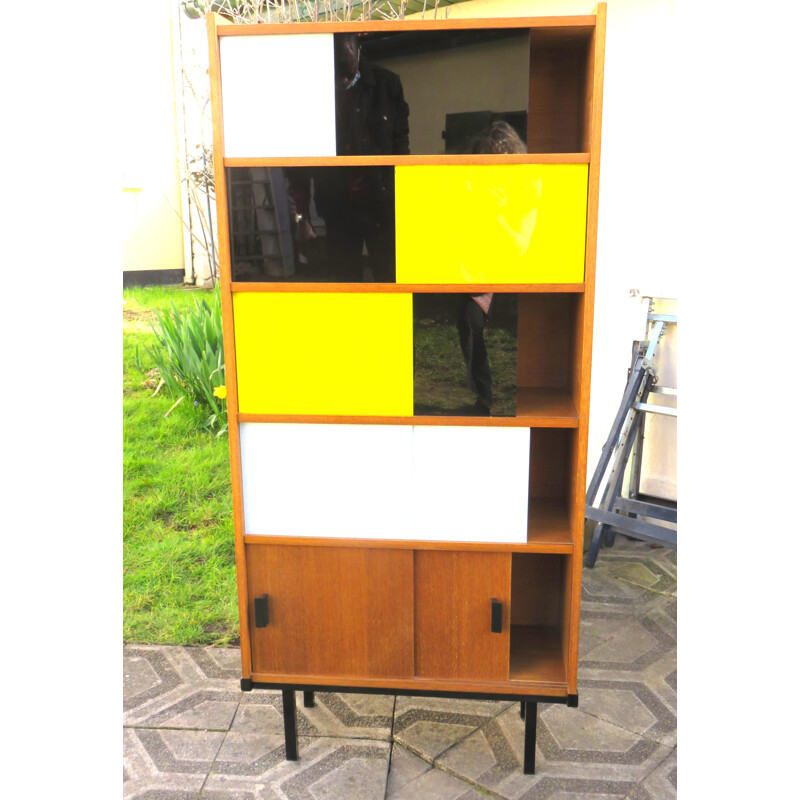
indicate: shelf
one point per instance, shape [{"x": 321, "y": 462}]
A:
[
  {"x": 407, "y": 288},
  {"x": 535, "y": 419},
  {"x": 548, "y": 532},
  {"x": 536, "y": 654},
  {"x": 546, "y": 408},
  {"x": 582, "y": 24},
  {"x": 390, "y": 161},
  {"x": 548, "y": 526}
]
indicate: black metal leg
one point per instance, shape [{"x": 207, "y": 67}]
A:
[
  {"x": 308, "y": 699},
  {"x": 290, "y": 724},
  {"x": 529, "y": 758},
  {"x": 594, "y": 549},
  {"x": 522, "y": 710}
]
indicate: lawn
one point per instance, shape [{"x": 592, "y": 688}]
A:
[{"x": 179, "y": 576}]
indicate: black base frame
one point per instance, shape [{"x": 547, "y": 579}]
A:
[{"x": 528, "y": 708}]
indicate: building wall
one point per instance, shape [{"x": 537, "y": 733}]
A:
[
  {"x": 152, "y": 230},
  {"x": 638, "y": 210},
  {"x": 491, "y": 77}
]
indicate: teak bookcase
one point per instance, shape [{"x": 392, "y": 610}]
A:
[{"x": 337, "y": 589}]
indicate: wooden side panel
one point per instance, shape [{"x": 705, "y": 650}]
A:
[
  {"x": 453, "y": 593},
  {"x": 551, "y": 463},
  {"x": 332, "y": 611},
  {"x": 545, "y": 336},
  {"x": 229, "y": 344},
  {"x": 537, "y": 589},
  {"x": 585, "y": 320},
  {"x": 555, "y": 107}
]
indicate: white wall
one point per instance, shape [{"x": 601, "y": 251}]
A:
[
  {"x": 153, "y": 232},
  {"x": 638, "y": 218}
]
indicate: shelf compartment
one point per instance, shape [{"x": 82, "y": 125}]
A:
[
  {"x": 546, "y": 407},
  {"x": 548, "y": 525},
  {"x": 537, "y": 599},
  {"x": 536, "y": 654},
  {"x": 560, "y": 101}
]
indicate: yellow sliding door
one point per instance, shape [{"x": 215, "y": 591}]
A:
[
  {"x": 506, "y": 223},
  {"x": 324, "y": 353}
]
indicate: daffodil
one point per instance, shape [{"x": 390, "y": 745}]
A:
[{"x": 221, "y": 392}]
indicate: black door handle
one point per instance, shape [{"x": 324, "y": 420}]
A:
[
  {"x": 262, "y": 618},
  {"x": 497, "y": 616}
]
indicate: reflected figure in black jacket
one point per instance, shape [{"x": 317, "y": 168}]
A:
[{"x": 357, "y": 203}]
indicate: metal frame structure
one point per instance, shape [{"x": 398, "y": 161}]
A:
[
  {"x": 634, "y": 515},
  {"x": 529, "y": 709}
]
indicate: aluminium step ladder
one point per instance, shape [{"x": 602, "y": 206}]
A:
[{"x": 631, "y": 513}]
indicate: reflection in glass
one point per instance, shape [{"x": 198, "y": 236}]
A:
[
  {"x": 312, "y": 224},
  {"x": 371, "y": 112},
  {"x": 456, "y": 83},
  {"x": 465, "y": 354}
]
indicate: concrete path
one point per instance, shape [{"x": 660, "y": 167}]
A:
[{"x": 190, "y": 733}]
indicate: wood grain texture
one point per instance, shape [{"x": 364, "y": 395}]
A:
[
  {"x": 228, "y": 339},
  {"x": 551, "y": 463},
  {"x": 452, "y": 635},
  {"x": 581, "y": 25},
  {"x": 333, "y": 611},
  {"x": 556, "y": 99},
  {"x": 546, "y": 407},
  {"x": 548, "y": 410},
  {"x": 544, "y": 340},
  {"x": 555, "y": 688},
  {"x": 413, "y": 288},
  {"x": 397, "y": 160},
  {"x": 536, "y": 654},
  {"x": 586, "y": 307},
  {"x": 537, "y": 589}
]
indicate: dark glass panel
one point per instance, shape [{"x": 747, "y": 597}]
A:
[
  {"x": 432, "y": 92},
  {"x": 465, "y": 361},
  {"x": 312, "y": 224}
]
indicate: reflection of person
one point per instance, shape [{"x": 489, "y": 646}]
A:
[
  {"x": 357, "y": 203},
  {"x": 473, "y": 313}
]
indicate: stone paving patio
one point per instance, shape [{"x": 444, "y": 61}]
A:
[{"x": 190, "y": 733}]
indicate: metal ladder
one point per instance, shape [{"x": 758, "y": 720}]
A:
[{"x": 614, "y": 512}]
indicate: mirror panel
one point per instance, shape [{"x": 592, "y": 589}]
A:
[
  {"x": 465, "y": 360},
  {"x": 312, "y": 224}
]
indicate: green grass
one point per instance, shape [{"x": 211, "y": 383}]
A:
[
  {"x": 179, "y": 584},
  {"x": 440, "y": 377}
]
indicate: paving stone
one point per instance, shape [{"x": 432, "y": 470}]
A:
[
  {"x": 358, "y": 716},
  {"x": 430, "y": 725},
  {"x": 404, "y": 767},
  {"x": 433, "y": 784},
  {"x": 598, "y": 628},
  {"x": 179, "y": 687},
  {"x": 630, "y": 705},
  {"x": 251, "y": 765},
  {"x": 591, "y": 755},
  {"x": 661, "y": 783},
  {"x": 171, "y": 765}
]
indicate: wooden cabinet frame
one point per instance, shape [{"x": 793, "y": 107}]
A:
[{"x": 538, "y": 582}]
